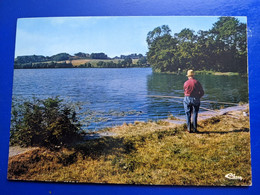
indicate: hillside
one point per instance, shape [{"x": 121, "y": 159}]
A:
[{"x": 81, "y": 60}]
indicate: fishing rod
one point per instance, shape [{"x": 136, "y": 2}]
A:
[
  {"x": 200, "y": 107},
  {"x": 175, "y": 97}
]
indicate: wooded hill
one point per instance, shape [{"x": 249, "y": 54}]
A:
[{"x": 82, "y": 60}]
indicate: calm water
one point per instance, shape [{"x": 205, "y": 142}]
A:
[{"x": 108, "y": 97}]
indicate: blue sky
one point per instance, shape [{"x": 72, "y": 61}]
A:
[{"x": 112, "y": 35}]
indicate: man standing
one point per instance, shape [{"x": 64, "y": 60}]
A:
[{"x": 193, "y": 91}]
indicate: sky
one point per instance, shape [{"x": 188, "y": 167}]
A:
[{"x": 114, "y": 36}]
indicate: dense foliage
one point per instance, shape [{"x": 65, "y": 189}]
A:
[
  {"x": 60, "y": 57},
  {"x": 82, "y": 55},
  {"x": 46, "y": 123},
  {"x": 98, "y": 56},
  {"x": 29, "y": 59},
  {"x": 40, "y": 58},
  {"x": 127, "y": 63},
  {"x": 222, "y": 48},
  {"x": 132, "y": 56}
]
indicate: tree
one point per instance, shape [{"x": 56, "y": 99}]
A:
[
  {"x": 156, "y": 33},
  {"x": 161, "y": 54},
  {"x": 98, "y": 56},
  {"x": 128, "y": 62},
  {"x": 60, "y": 57},
  {"x": 186, "y": 35},
  {"x": 30, "y": 59},
  {"x": 80, "y": 55},
  {"x": 100, "y": 64},
  {"x": 222, "y": 48},
  {"x": 230, "y": 40},
  {"x": 142, "y": 61}
]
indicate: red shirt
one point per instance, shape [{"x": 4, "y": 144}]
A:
[{"x": 193, "y": 88}]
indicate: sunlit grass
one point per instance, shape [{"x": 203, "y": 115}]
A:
[
  {"x": 94, "y": 62},
  {"x": 148, "y": 153}
]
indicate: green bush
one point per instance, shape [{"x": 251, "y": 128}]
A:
[{"x": 48, "y": 123}]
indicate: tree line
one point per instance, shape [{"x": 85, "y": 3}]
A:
[
  {"x": 66, "y": 56},
  {"x": 126, "y": 63},
  {"x": 58, "y": 57},
  {"x": 52, "y": 64},
  {"x": 41, "y": 58},
  {"x": 222, "y": 48},
  {"x": 64, "y": 60}
]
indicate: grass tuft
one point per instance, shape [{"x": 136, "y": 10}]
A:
[{"x": 148, "y": 153}]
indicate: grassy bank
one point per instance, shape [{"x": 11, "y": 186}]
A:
[
  {"x": 217, "y": 73},
  {"x": 203, "y": 72},
  {"x": 148, "y": 153}
]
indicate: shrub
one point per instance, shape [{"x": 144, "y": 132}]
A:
[{"x": 48, "y": 123}]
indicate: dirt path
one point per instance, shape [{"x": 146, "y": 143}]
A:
[
  {"x": 16, "y": 150},
  {"x": 234, "y": 112}
]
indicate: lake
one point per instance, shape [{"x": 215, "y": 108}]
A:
[{"x": 107, "y": 97}]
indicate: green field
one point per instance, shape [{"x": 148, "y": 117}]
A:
[{"x": 94, "y": 62}]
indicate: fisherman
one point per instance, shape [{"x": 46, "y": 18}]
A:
[{"x": 193, "y": 91}]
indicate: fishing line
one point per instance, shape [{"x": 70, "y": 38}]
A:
[
  {"x": 206, "y": 101},
  {"x": 200, "y": 106}
]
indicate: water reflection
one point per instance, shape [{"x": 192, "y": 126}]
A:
[
  {"x": 108, "y": 97},
  {"x": 219, "y": 88}
]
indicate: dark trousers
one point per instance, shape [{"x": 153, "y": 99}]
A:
[{"x": 191, "y": 106}]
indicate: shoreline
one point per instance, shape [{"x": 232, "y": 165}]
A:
[
  {"x": 110, "y": 131},
  {"x": 209, "y": 114},
  {"x": 154, "y": 153},
  {"x": 205, "y": 72},
  {"x": 199, "y": 72}
]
